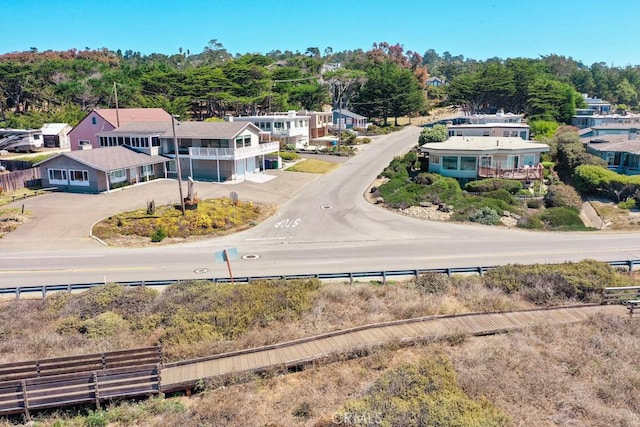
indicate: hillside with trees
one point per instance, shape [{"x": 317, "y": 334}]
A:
[{"x": 385, "y": 82}]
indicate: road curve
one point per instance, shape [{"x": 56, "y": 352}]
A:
[{"x": 323, "y": 225}]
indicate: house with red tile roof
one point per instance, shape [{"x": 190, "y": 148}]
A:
[{"x": 107, "y": 119}]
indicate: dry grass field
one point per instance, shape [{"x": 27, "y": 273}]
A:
[{"x": 582, "y": 374}]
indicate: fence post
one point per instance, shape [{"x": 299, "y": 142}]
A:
[
  {"x": 25, "y": 400},
  {"x": 96, "y": 392}
]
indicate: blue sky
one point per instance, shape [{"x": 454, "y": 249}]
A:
[{"x": 587, "y": 30}]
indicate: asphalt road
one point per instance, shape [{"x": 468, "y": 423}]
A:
[{"x": 323, "y": 225}]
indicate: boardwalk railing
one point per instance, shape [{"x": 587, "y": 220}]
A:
[
  {"x": 69, "y": 381},
  {"x": 621, "y": 294},
  {"x": 628, "y": 265},
  {"x": 41, "y": 384}
]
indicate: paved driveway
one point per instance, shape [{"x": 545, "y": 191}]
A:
[{"x": 64, "y": 220}]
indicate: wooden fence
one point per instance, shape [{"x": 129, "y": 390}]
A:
[
  {"x": 621, "y": 294},
  {"x": 19, "y": 179},
  {"x": 41, "y": 384}
]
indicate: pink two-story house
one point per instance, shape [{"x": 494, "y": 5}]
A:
[{"x": 102, "y": 120}]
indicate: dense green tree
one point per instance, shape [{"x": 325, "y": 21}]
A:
[
  {"x": 437, "y": 133},
  {"x": 390, "y": 91}
]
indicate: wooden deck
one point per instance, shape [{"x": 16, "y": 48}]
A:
[{"x": 186, "y": 374}]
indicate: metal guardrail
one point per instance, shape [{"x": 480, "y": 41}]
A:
[{"x": 630, "y": 265}]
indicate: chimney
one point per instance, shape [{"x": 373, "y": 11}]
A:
[{"x": 228, "y": 118}]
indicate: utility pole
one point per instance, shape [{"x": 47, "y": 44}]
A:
[
  {"x": 178, "y": 170},
  {"x": 115, "y": 95}
]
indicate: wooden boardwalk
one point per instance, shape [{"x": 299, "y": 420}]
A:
[{"x": 185, "y": 374}]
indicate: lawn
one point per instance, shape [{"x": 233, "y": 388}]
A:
[{"x": 313, "y": 166}]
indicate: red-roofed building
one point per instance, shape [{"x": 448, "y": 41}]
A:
[{"x": 107, "y": 119}]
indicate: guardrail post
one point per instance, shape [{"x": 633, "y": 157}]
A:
[
  {"x": 44, "y": 291},
  {"x": 630, "y": 262},
  {"x": 480, "y": 271},
  {"x": 384, "y": 277},
  {"x": 17, "y": 292},
  {"x": 351, "y": 278},
  {"x": 448, "y": 272},
  {"x": 416, "y": 274}
]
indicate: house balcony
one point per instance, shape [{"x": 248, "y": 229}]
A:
[
  {"x": 530, "y": 173},
  {"x": 210, "y": 153}
]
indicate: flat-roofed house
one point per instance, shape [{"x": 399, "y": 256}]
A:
[{"x": 470, "y": 157}]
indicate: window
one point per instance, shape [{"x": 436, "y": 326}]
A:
[
  {"x": 505, "y": 133},
  {"x": 486, "y": 133},
  {"x": 118, "y": 176},
  {"x": 485, "y": 162},
  {"x": 94, "y": 121},
  {"x": 239, "y": 141},
  {"x": 523, "y": 134},
  {"x": 247, "y": 141},
  {"x": 529, "y": 159},
  {"x": 79, "y": 177},
  {"x": 434, "y": 158},
  {"x": 449, "y": 162},
  {"x": 57, "y": 176},
  {"x": 84, "y": 142},
  {"x": 146, "y": 170},
  {"x": 467, "y": 163},
  {"x": 452, "y": 133}
]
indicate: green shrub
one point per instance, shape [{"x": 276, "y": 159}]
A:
[
  {"x": 534, "y": 203},
  {"x": 530, "y": 222},
  {"x": 485, "y": 215},
  {"x": 104, "y": 325},
  {"x": 581, "y": 280},
  {"x": 288, "y": 155},
  {"x": 562, "y": 219},
  {"x": 503, "y": 195},
  {"x": 96, "y": 419},
  {"x": 426, "y": 178},
  {"x": 436, "y": 133},
  {"x": 629, "y": 203},
  {"x": 159, "y": 235},
  {"x": 491, "y": 184},
  {"x": 561, "y": 195},
  {"x": 426, "y": 393},
  {"x": 433, "y": 283}
]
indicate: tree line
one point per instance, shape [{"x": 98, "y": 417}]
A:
[{"x": 382, "y": 83}]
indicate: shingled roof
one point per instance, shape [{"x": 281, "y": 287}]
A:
[{"x": 108, "y": 159}]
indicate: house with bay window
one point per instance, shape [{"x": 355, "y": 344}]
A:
[
  {"x": 138, "y": 151},
  {"x": 83, "y": 135},
  {"x": 470, "y": 158}
]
